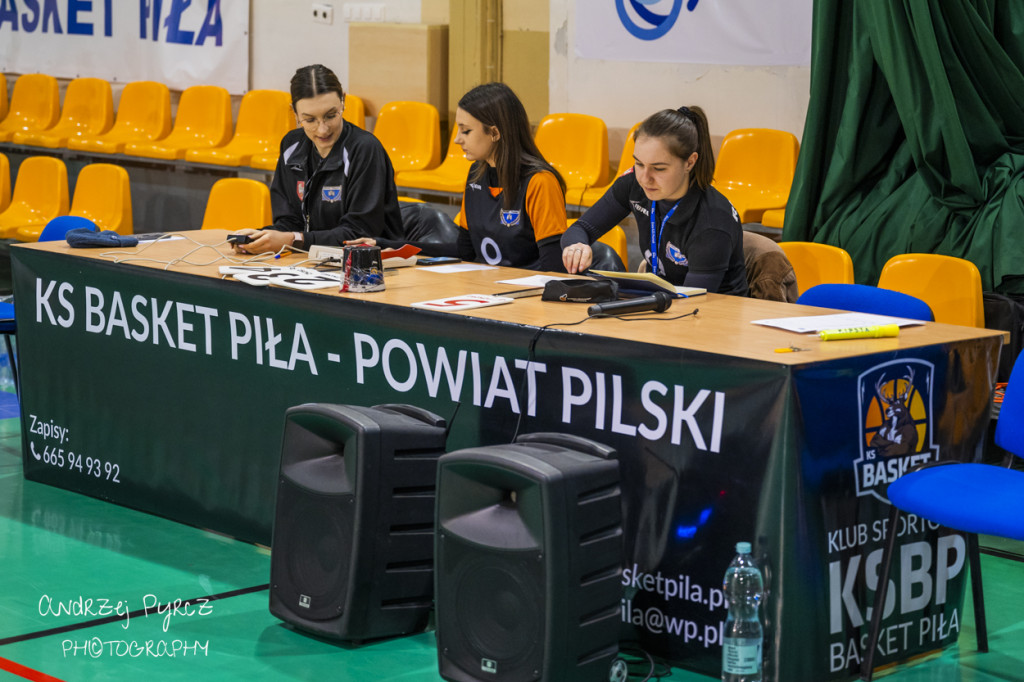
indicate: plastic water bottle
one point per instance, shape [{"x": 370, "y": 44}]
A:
[{"x": 744, "y": 636}]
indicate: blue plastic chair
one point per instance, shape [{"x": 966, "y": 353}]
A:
[
  {"x": 861, "y": 298},
  {"x": 9, "y": 328},
  {"x": 54, "y": 231},
  {"x": 57, "y": 228},
  {"x": 968, "y": 497}
]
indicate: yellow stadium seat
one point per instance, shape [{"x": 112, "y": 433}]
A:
[
  {"x": 450, "y": 176},
  {"x": 576, "y": 145},
  {"x": 755, "y": 168},
  {"x": 615, "y": 238},
  {"x": 203, "y": 120},
  {"x": 411, "y": 135},
  {"x": 3, "y": 96},
  {"x": 264, "y": 161},
  {"x": 264, "y": 116},
  {"x": 35, "y": 105},
  {"x": 236, "y": 204},
  {"x": 103, "y": 195},
  {"x": 774, "y": 217},
  {"x": 355, "y": 111},
  {"x": 40, "y": 195},
  {"x": 143, "y": 115},
  {"x": 816, "y": 264},
  {"x": 951, "y": 286},
  {"x": 5, "y": 182},
  {"x": 588, "y": 196},
  {"x": 88, "y": 110}
]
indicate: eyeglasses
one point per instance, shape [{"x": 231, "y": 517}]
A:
[{"x": 314, "y": 123}]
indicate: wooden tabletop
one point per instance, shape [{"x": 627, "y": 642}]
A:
[{"x": 722, "y": 325}]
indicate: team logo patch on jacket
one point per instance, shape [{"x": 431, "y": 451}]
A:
[
  {"x": 509, "y": 218},
  {"x": 300, "y": 189},
  {"x": 331, "y": 193},
  {"x": 674, "y": 254}
]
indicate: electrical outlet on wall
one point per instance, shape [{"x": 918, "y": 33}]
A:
[
  {"x": 364, "y": 11},
  {"x": 323, "y": 13}
]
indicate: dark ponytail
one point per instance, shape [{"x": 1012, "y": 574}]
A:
[{"x": 684, "y": 131}]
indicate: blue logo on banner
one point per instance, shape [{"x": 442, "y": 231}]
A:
[
  {"x": 657, "y": 25},
  {"x": 510, "y": 218}
]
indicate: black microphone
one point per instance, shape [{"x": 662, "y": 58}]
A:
[{"x": 657, "y": 302}]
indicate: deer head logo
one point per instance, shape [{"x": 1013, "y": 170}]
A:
[{"x": 898, "y": 434}]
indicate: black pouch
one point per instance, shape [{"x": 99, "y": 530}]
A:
[{"x": 580, "y": 290}]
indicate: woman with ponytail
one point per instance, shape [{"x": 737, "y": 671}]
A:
[
  {"x": 333, "y": 181},
  {"x": 689, "y": 232}
]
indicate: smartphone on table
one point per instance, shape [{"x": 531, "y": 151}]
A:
[{"x": 438, "y": 260}]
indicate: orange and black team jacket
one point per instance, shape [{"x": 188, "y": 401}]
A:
[{"x": 524, "y": 236}]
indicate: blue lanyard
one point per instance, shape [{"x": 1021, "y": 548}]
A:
[{"x": 656, "y": 233}]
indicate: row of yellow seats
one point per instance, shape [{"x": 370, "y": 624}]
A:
[
  {"x": 202, "y": 125},
  {"x": 102, "y": 195},
  {"x": 575, "y": 144},
  {"x": 950, "y": 286},
  {"x": 754, "y": 167}
]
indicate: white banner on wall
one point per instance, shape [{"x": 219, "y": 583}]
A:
[
  {"x": 737, "y": 32},
  {"x": 176, "y": 42}
]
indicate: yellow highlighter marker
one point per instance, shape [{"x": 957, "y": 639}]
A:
[{"x": 871, "y": 332}]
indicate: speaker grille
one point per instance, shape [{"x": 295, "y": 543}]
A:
[
  {"x": 529, "y": 557},
  {"x": 353, "y": 548},
  {"x": 313, "y": 547},
  {"x": 498, "y": 609}
]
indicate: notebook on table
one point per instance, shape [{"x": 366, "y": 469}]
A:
[{"x": 645, "y": 283}]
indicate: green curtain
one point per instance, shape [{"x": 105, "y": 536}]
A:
[{"x": 914, "y": 139}]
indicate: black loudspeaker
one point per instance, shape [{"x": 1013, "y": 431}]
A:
[
  {"x": 353, "y": 545},
  {"x": 529, "y": 561}
]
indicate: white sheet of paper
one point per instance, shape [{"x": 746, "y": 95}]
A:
[
  {"x": 463, "y": 302},
  {"x": 457, "y": 267},
  {"x": 815, "y": 323}
]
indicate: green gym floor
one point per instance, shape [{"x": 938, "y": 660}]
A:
[{"x": 56, "y": 546}]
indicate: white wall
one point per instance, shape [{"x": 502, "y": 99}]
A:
[
  {"x": 623, "y": 93},
  {"x": 284, "y": 37}
]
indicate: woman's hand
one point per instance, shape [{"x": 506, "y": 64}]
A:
[
  {"x": 577, "y": 257},
  {"x": 264, "y": 241},
  {"x": 368, "y": 241},
  {"x": 240, "y": 248}
]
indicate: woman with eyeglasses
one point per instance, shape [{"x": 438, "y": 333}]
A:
[
  {"x": 513, "y": 206},
  {"x": 689, "y": 232},
  {"x": 333, "y": 181}
]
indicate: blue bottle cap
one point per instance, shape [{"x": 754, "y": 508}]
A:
[{"x": 743, "y": 548}]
